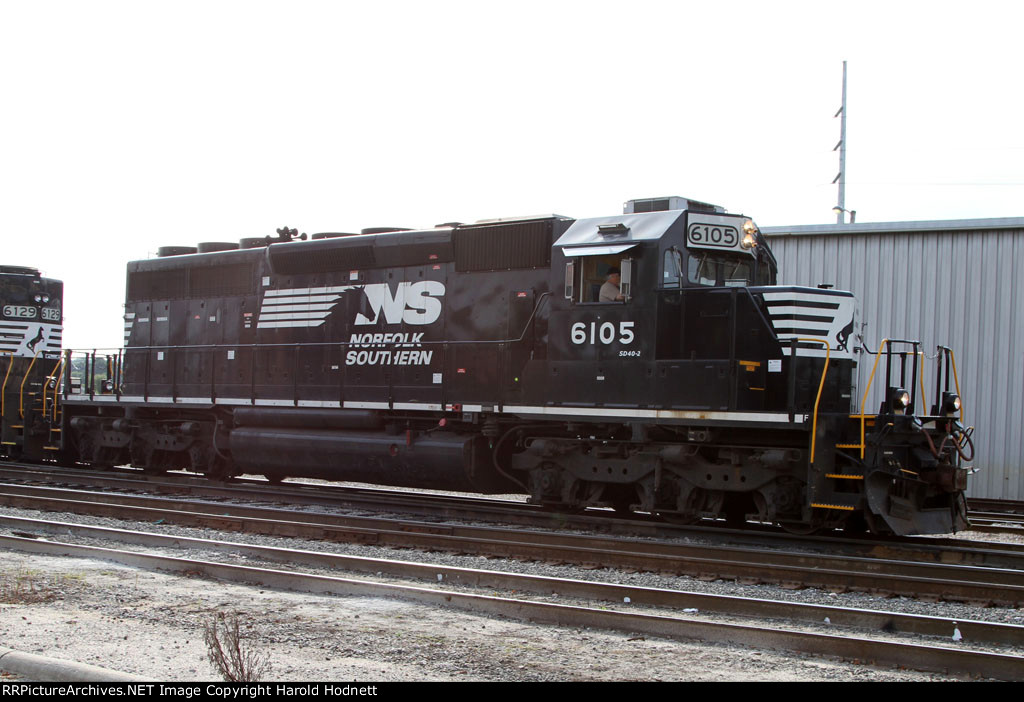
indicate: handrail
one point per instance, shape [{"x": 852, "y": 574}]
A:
[
  {"x": 880, "y": 346},
  {"x": 956, "y": 381},
  {"x": 867, "y": 390},
  {"x": 821, "y": 387},
  {"x": 924, "y": 400},
  {"x": 124, "y": 351},
  {"x": 917, "y": 355},
  {"x": 52, "y": 376},
  {"x": 68, "y": 367},
  {"x": 313, "y": 344},
  {"x": 921, "y": 359},
  {"x": 21, "y": 392},
  {"x": 3, "y": 390}
]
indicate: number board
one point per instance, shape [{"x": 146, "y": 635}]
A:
[
  {"x": 712, "y": 232},
  {"x": 20, "y": 312}
]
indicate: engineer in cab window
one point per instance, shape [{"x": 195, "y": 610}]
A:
[{"x": 610, "y": 289}]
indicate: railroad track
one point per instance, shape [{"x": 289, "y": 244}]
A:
[
  {"x": 1000, "y": 580},
  {"x": 997, "y": 522},
  {"x": 882, "y": 638},
  {"x": 994, "y": 505},
  {"x": 503, "y": 511},
  {"x": 996, "y": 516}
]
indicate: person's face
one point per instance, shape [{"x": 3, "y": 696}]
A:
[{"x": 614, "y": 278}]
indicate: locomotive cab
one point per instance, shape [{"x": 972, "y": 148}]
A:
[{"x": 682, "y": 308}]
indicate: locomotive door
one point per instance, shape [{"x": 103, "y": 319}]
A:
[
  {"x": 137, "y": 333},
  {"x": 521, "y": 335},
  {"x": 192, "y": 365},
  {"x": 159, "y": 378},
  {"x": 231, "y": 361}
]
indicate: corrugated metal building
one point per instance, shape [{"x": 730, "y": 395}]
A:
[{"x": 950, "y": 282}]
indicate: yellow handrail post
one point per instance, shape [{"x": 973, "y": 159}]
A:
[
  {"x": 920, "y": 376},
  {"x": 871, "y": 378},
  {"x": 3, "y": 390},
  {"x": 956, "y": 380},
  {"x": 821, "y": 388},
  {"x": 21, "y": 392},
  {"x": 55, "y": 373}
]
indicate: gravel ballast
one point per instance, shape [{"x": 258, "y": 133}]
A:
[{"x": 151, "y": 624}]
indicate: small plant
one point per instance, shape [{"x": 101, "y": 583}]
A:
[
  {"x": 224, "y": 648},
  {"x": 25, "y": 587}
]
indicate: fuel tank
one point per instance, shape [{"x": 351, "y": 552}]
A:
[{"x": 436, "y": 461}]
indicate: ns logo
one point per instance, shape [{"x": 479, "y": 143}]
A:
[{"x": 412, "y": 303}]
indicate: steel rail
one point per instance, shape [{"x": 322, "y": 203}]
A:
[
  {"x": 322, "y": 494},
  {"x": 750, "y": 565},
  {"x": 1004, "y": 517},
  {"x": 998, "y": 528},
  {"x": 929, "y": 549},
  {"x": 920, "y": 657},
  {"x": 984, "y": 504},
  {"x": 974, "y": 631}
]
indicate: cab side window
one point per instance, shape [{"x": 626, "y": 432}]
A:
[
  {"x": 671, "y": 269},
  {"x": 598, "y": 279}
]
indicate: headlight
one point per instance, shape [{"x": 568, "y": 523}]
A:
[
  {"x": 38, "y": 298},
  {"x": 749, "y": 239},
  {"x": 950, "y": 404},
  {"x": 900, "y": 400}
]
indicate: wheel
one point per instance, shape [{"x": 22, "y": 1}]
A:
[
  {"x": 800, "y": 528},
  {"x": 679, "y": 519},
  {"x": 219, "y": 469},
  {"x": 855, "y": 525},
  {"x": 736, "y": 507},
  {"x": 621, "y": 498}
]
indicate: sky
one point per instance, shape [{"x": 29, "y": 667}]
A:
[{"x": 127, "y": 126}]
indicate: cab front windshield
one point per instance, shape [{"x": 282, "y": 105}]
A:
[{"x": 720, "y": 269}]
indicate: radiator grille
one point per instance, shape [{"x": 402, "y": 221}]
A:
[
  {"x": 221, "y": 281},
  {"x": 503, "y": 246},
  {"x": 180, "y": 283},
  {"x": 158, "y": 285},
  {"x": 322, "y": 260}
]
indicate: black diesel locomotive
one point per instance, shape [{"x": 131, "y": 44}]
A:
[
  {"x": 31, "y": 317},
  {"x": 481, "y": 357}
]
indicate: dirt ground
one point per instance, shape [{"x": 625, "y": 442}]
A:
[{"x": 152, "y": 624}]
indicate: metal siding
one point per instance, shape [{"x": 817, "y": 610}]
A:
[
  {"x": 1015, "y": 383},
  {"x": 1003, "y": 328},
  {"x": 941, "y": 284}
]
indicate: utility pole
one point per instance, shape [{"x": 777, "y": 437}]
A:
[{"x": 840, "y": 208}]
